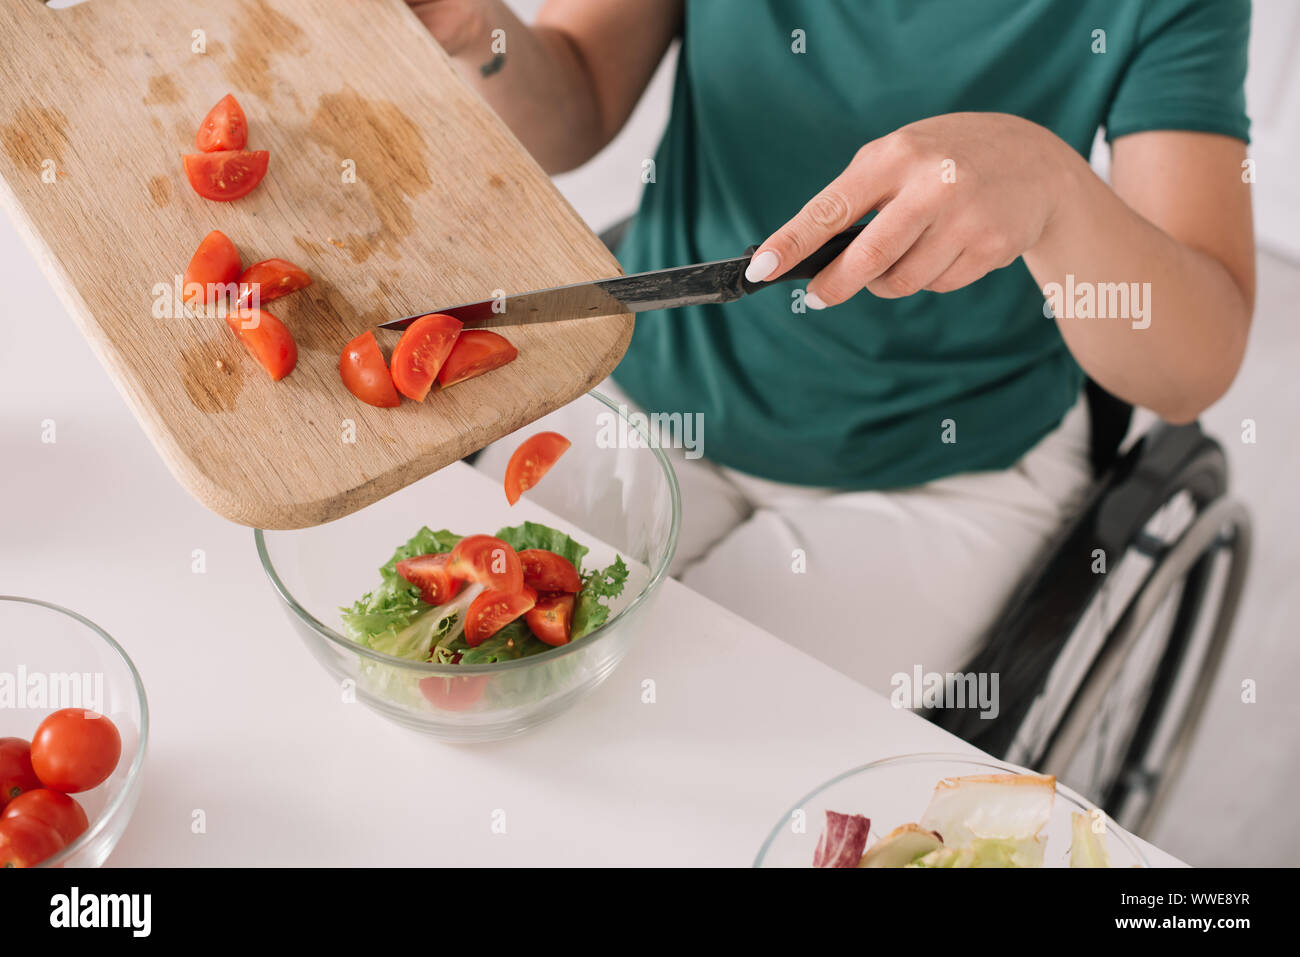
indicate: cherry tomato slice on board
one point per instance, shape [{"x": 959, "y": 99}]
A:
[
  {"x": 54, "y": 808},
  {"x": 267, "y": 338},
  {"x": 25, "y": 842},
  {"x": 365, "y": 373},
  {"x": 226, "y": 175},
  {"x": 549, "y": 572},
  {"x": 488, "y": 561},
  {"x": 272, "y": 279},
  {"x": 16, "y": 774},
  {"x": 492, "y": 610},
  {"x": 531, "y": 461},
  {"x": 75, "y": 750},
  {"x": 420, "y": 353},
  {"x": 224, "y": 128},
  {"x": 551, "y": 619},
  {"x": 215, "y": 264},
  {"x": 475, "y": 352},
  {"x": 453, "y": 694},
  {"x": 430, "y": 573}
]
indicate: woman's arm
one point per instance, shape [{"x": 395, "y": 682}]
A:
[
  {"x": 567, "y": 84},
  {"x": 1179, "y": 218},
  {"x": 965, "y": 193}
]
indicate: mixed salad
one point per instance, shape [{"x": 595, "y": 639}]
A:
[
  {"x": 482, "y": 599},
  {"x": 978, "y": 821}
]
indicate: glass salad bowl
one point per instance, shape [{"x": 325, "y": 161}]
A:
[
  {"x": 56, "y": 659},
  {"x": 612, "y": 492},
  {"x": 896, "y": 791}
]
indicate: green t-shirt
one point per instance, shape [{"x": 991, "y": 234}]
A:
[{"x": 857, "y": 396}]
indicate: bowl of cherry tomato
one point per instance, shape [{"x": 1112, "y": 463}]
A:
[
  {"x": 74, "y": 722},
  {"x": 490, "y": 596}
]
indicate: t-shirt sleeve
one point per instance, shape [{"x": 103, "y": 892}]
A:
[{"x": 1188, "y": 70}]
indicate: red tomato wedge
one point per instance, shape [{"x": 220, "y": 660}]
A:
[
  {"x": 551, "y": 618},
  {"x": 475, "y": 352},
  {"x": 488, "y": 561},
  {"x": 215, "y": 264},
  {"x": 493, "y": 610},
  {"x": 420, "y": 353},
  {"x": 226, "y": 175},
  {"x": 267, "y": 338},
  {"x": 54, "y": 808},
  {"x": 271, "y": 278},
  {"x": 453, "y": 694},
  {"x": 364, "y": 372},
  {"x": 224, "y": 128},
  {"x": 549, "y": 572},
  {"x": 531, "y": 461},
  {"x": 432, "y": 576}
]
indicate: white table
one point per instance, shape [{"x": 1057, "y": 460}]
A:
[{"x": 247, "y": 728}]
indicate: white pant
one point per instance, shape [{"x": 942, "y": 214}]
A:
[{"x": 872, "y": 583}]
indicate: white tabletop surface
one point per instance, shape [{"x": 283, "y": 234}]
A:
[{"x": 249, "y": 729}]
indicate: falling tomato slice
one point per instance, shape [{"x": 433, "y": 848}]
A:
[
  {"x": 550, "y": 619},
  {"x": 271, "y": 279},
  {"x": 227, "y": 174},
  {"x": 267, "y": 338},
  {"x": 214, "y": 265},
  {"x": 475, "y": 352},
  {"x": 488, "y": 561},
  {"x": 364, "y": 372},
  {"x": 224, "y": 128},
  {"x": 420, "y": 353},
  {"x": 549, "y": 572},
  {"x": 531, "y": 461},
  {"x": 493, "y": 610},
  {"x": 430, "y": 573}
]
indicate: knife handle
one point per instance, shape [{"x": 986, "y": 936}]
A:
[{"x": 814, "y": 264}]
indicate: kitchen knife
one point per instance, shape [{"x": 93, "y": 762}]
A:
[{"x": 720, "y": 281}]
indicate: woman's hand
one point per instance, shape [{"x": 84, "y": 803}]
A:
[
  {"x": 958, "y": 195},
  {"x": 455, "y": 24}
]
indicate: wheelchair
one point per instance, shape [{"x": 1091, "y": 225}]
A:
[{"x": 1107, "y": 652}]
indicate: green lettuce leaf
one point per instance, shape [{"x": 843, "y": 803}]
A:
[
  {"x": 589, "y": 612},
  {"x": 536, "y": 535},
  {"x": 389, "y": 618},
  {"x": 511, "y": 642}
]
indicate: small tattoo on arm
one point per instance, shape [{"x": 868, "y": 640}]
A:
[{"x": 493, "y": 65}]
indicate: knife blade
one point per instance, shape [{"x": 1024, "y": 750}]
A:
[{"x": 713, "y": 282}]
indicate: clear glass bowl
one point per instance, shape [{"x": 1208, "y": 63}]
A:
[
  {"x": 896, "y": 790},
  {"x": 615, "y": 497},
  {"x": 57, "y": 659}
]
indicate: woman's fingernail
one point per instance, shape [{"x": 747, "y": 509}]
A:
[
  {"x": 813, "y": 301},
  {"x": 761, "y": 266}
]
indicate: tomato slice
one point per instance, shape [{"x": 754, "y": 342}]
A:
[
  {"x": 364, "y": 372},
  {"x": 212, "y": 269},
  {"x": 453, "y": 694},
  {"x": 224, "y": 128},
  {"x": 226, "y": 175},
  {"x": 549, "y": 572},
  {"x": 25, "y": 842},
  {"x": 54, "y": 808},
  {"x": 488, "y": 561},
  {"x": 493, "y": 610},
  {"x": 419, "y": 355},
  {"x": 531, "y": 461},
  {"x": 431, "y": 574},
  {"x": 271, "y": 278},
  {"x": 551, "y": 618},
  {"x": 475, "y": 352},
  {"x": 267, "y": 338}
]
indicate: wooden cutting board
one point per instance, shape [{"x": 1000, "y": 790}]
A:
[{"x": 98, "y": 102}]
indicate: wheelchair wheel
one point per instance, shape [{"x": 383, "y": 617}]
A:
[{"x": 1136, "y": 703}]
